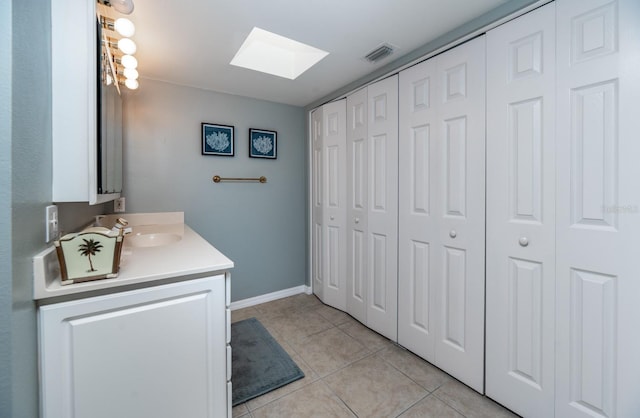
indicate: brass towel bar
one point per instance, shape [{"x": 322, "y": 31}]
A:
[{"x": 218, "y": 179}]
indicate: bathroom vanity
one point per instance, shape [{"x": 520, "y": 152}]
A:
[{"x": 153, "y": 342}]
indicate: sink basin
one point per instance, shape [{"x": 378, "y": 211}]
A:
[{"x": 151, "y": 240}]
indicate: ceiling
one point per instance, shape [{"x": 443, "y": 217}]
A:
[{"x": 191, "y": 42}]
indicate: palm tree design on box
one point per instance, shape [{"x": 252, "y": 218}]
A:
[{"x": 89, "y": 248}]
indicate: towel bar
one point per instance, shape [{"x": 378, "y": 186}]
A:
[{"x": 218, "y": 179}]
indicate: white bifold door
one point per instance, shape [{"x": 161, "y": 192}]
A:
[
  {"x": 328, "y": 135},
  {"x": 442, "y": 211},
  {"x": 372, "y": 202},
  {"x": 563, "y": 211},
  {"x": 520, "y": 213},
  {"x": 598, "y": 209}
]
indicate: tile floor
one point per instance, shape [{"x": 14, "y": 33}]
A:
[{"x": 351, "y": 371}]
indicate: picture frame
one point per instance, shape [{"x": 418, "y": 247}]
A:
[
  {"x": 218, "y": 139},
  {"x": 263, "y": 143}
]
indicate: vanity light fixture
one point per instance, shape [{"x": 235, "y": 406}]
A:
[
  {"x": 120, "y": 51},
  {"x": 127, "y": 46},
  {"x": 130, "y": 73},
  {"x": 123, "y": 26},
  {"x": 123, "y": 6},
  {"x": 128, "y": 61},
  {"x": 131, "y": 83}
]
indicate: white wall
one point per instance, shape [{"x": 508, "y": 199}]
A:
[{"x": 261, "y": 227}]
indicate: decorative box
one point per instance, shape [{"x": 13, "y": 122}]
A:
[{"x": 92, "y": 254}]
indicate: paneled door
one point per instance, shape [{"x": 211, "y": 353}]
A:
[
  {"x": 598, "y": 209},
  {"x": 317, "y": 200},
  {"x": 418, "y": 232},
  {"x": 357, "y": 205},
  {"x": 329, "y": 203},
  {"x": 372, "y": 216},
  {"x": 442, "y": 211},
  {"x": 520, "y": 213}
]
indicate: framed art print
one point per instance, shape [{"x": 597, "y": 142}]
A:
[
  {"x": 263, "y": 143},
  {"x": 217, "y": 139}
]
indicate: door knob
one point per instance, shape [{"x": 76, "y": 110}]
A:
[
  {"x": 453, "y": 233},
  {"x": 523, "y": 241},
  {"x": 332, "y": 218},
  {"x": 357, "y": 220}
]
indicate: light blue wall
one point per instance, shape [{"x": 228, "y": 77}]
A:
[
  {"x": 5, "y": 208},
  {"x": 261, "y": 227},
  {"x": 30, "y": 188},
  {"x": 25, "y": 190}
]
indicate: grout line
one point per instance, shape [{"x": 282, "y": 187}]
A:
[
  {"x": 339, "y": 397},
  {"x": 414, "y": 404},
  {"x": 448, "y": 404}
]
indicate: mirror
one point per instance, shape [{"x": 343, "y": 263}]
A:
[{"x": 109, "y": 118}]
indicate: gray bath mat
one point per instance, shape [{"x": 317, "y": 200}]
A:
[{"x": 259, "y": 364}]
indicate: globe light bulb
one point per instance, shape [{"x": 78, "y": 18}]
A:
[
  {"x": 127, "y": 46},
  {"x": 129, "y": 61},
  {"x": 131, "y": 73},
  {"x": 131, "y": 84},
  {"x": 124, "y": 27},
  {"x": 123, "y": 6}
]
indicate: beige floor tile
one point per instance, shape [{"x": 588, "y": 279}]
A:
[
  {"x": 420, "y": 371},
  {"x": 370, "y": 339},
  {"x": 244, "y": 313},
  {"x": 314, "y": 400},
  {"x": 296, "y": 326},
  {"x": 240, "y": 411},
  {"x": 332, "y": 315},
  {"x": 310, "y": 376},
  {"x": 431, "y": 407},
  {"x": 329, "y": 350},
  {"x": 279, "y": 307},
  {"x": 372, "y": 388},
  {"x": 332, "y": 348},
  {"x": 469, "y": 402},
  {"x": 304, "y": 301}
]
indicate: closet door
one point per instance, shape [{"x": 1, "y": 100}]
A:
[
  {"x": 330, "y": 171},
  {"x": 357, "y": 205},
  {"x": 382, "y": 219},
  {"x": 418, "y": 235},
  {"x": 442, "y": 211},
  {"x": 598, "y": 204},
  {"x": 372, "y": 214},
  {"x": 520, "y": 260},
  {"x": 317, "y": 201},
  {"x": 460, "y": 165}
]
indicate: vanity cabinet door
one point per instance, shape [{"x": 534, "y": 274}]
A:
[{"x": 153, "y": 352}]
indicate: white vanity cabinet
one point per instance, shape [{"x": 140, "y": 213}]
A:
[{"x": 160, "y": 351}]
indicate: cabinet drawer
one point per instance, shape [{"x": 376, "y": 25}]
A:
[
  {"x": 227, "y": 285},
  {"x": 229, "y": 363},
  {"x": 228, "y": 327},
  {"x": 229, "y": 400}
]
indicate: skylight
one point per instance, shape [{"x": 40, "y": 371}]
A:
[{"x": 274, "y": 54}]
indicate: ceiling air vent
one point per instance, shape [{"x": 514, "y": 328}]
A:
[{"x": 380, "y": 53}]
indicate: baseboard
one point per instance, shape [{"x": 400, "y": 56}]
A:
[{"x": 245, "y": 303}]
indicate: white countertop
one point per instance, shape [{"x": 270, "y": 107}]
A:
[{"x": 192, "y": 255}]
